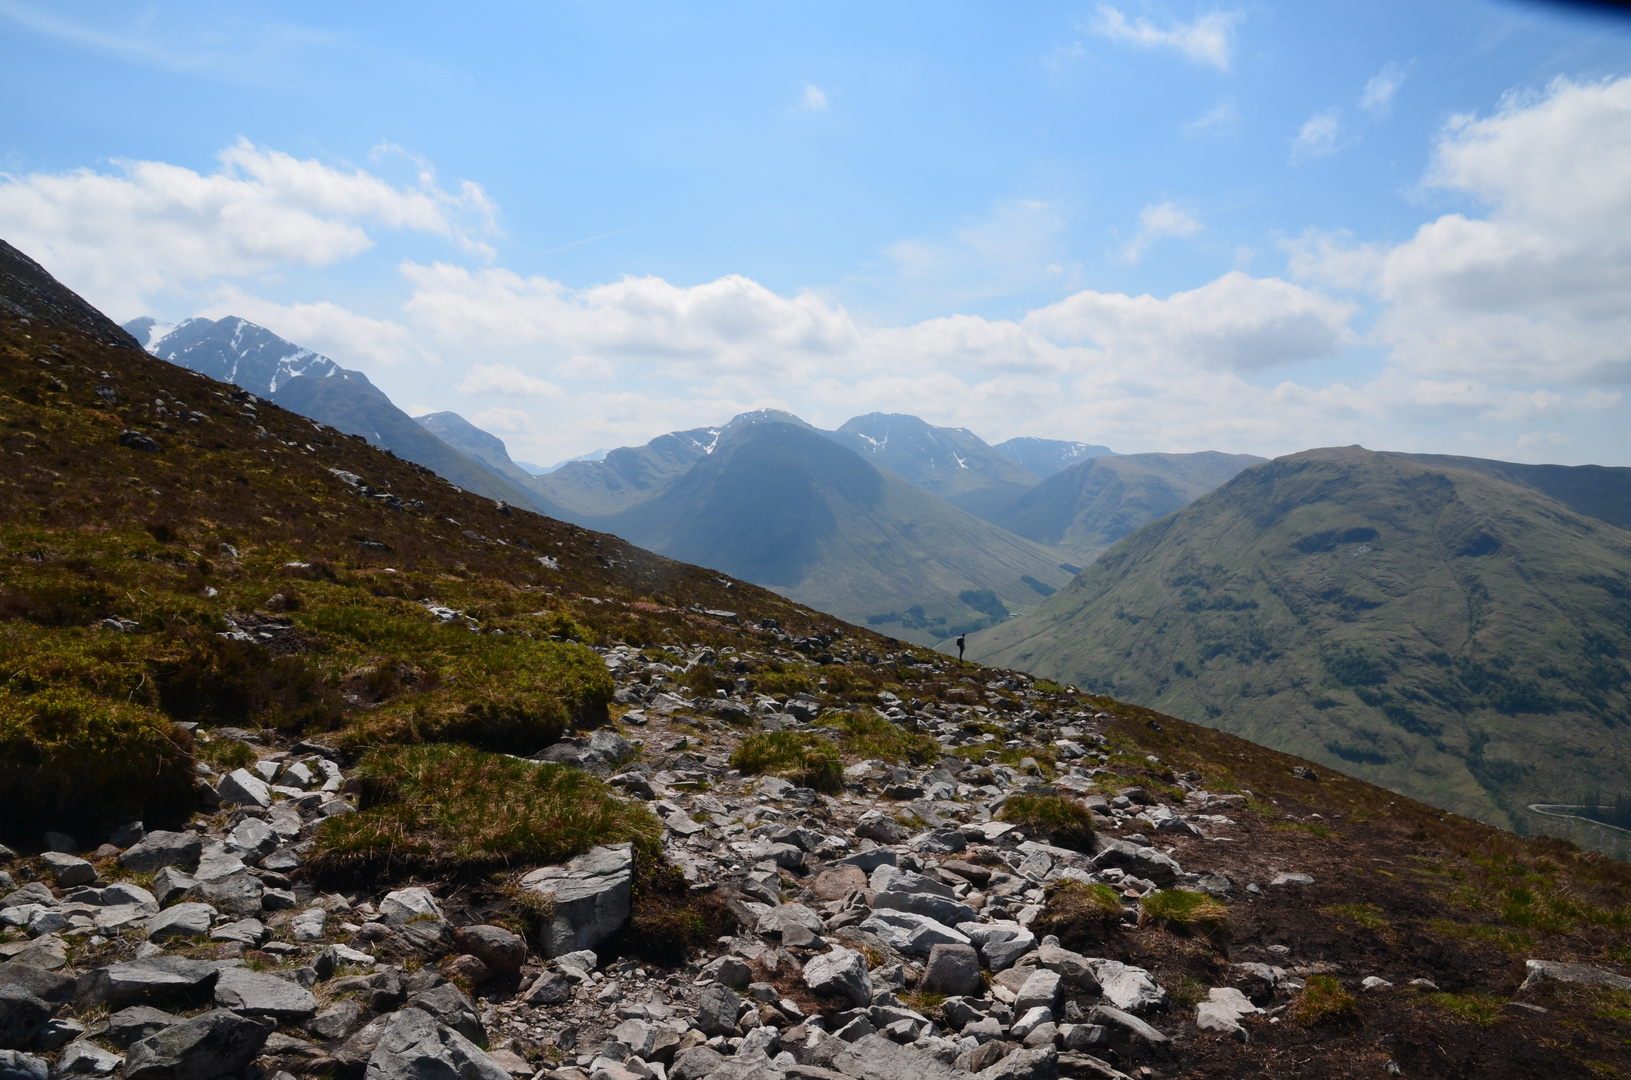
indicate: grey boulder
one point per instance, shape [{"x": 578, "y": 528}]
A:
[
  {"x": 696, "y": 1063},
  {"x": 717, "y": 1010},
  {"x": 22, "y": 1015},
  {"x": 259, "y": 993},
  {"x": 69, "y": 870},
  {"x": 158, "y": 980},
  {"x": 183, "y": 920},
  {"x": 952, "y": 970},
  {"x": 873, "y": 1057},
  {"x": 16, "y": 1065},
  {"x": 592, "y": 896},
  {"x": 243, "y": 788},
  {"x": 413, "y": 1046},
  {"x": 840, "y": 973},
  {"x": 451, "y": 1007},
  {"x": 161, "y": 848},
  {"x": 214, "y": 1044}
]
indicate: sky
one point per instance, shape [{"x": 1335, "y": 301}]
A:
[{"x": 1255, "y": 227}]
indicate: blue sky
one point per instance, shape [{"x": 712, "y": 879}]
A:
[{"x": 1254, "y": 227}]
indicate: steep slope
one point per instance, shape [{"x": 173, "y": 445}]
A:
[
  {"x": 1452, "y": 636},
  {"x": 630, "y": 475},
  {"x": 474, "y": 443},
  {"x": 952, "y": 463},
  {"x": 1044, "y": 457},
  {"x": 1090, "y": 505},
  {"x": 28, "y": 291},
  {"x": 780, "y": 505},
  {"x": 238, "y": 351}
]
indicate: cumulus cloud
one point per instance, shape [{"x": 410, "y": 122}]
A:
[
  {"x": 1377, "y": 97},
  {"x": 1155, "y": 222},
  {"x": 501, "y": 380},
  {"x": 1318, "y": 136},
  {"x": 149, "y": 227},
  {"x": 814, "y": 99},
  {"x": 1208, "y": 38},
  {"x": 1537, "y": 286},
  {"x": 731, "y": 324}
]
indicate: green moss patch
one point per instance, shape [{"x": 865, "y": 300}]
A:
[
  {"x": 453, "y": 810},
  {"x": 868, "y": 735},
  {"x": 807, "y": 760},
  {"x": 76, "y": 762}
]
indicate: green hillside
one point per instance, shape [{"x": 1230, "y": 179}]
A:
[
  {"x": 1431, "y": 628},
  {"x": 783, "y": 506},
  {"x": 1090, "y": 505}
]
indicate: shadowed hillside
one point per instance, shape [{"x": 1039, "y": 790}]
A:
[
  {"x": 1090, "y": 505},
  {"x": 781, "y": 505}
]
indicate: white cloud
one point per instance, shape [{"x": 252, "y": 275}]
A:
[
  {"x": 1207, "y": 39},
  {"x": 149, "y": 228},
  {"x": 1155, "y": 222},
  {"x": 1220, "y": 119},
  {"x": 504, "y": 381},
  {"x": 1538, "y": 287},
  {"x": 508, "y": 420},
  {"x": 1237, "y": 322},
  {"x": 1318, "y": 136},
  {"x": 814, "y": 100},
  {"x": 1021, "y": 246},
  {"x": 1377, "y": 96}
]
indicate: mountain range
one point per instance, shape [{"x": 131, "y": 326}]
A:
[
  {"x": 1451, "y": 628},
  {"x": 925, "y": 532}
]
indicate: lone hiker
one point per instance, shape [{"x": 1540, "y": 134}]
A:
[{"x": 962, "y": 640}]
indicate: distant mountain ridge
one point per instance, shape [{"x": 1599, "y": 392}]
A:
[
  {"x": 1044, "y": 457},
  {"x": 953, "y": 463},
  {"x": 782, "y": 505},
  {"x": 240, "y": 352}
]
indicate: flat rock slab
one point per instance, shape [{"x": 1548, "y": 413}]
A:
[
  {"x": 873, "y": 1057},
  {"x": 1583, "y": 974},
  {"x": 216, "y": 1043},
  {"x": 414, "y": 1046},
  {"x": 158, "y": 980},
  {"x": 161, "y": 848},
  {"x": 258, "y": 993},
  {"x": 183, "y": 920},
  {"x": 592, "y": 895},
  {"x": 1128, "y": 987}
]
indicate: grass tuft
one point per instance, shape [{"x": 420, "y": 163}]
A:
[
  {"x": 1477, "y": 1008},
  {"x": 1186, "y": 912},
  {"x": 868, "y": 735},
  {"x": 807, "y": 760},
  {"x": 1066, "y": 822},
  {"x": 1323, "y": 998},
  {"x": 448, "y": 809},
  {"x": 1080, "y": 914},
  {"x": 1367, "y": 915}
]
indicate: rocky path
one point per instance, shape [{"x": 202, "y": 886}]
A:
[{"x": 885, "y": 932}]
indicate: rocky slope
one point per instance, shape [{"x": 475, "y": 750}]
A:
[{"x": 730, "y": 837}]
